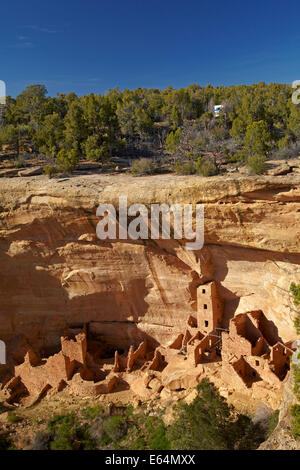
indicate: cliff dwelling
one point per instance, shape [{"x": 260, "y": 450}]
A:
[{"x": 247, "y": 357}]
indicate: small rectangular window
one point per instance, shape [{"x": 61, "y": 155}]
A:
[
  {"x": 257, "y": 363},
  {"x": 203, "y": 291},
  {"x": 205, "y": 307},
  {"x": 206, "y": 323}
]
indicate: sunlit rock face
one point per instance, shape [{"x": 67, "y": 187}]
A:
[{"x": 55, "y": 273}]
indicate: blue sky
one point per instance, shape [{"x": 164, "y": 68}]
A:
[{"x": 93, "y": 45}]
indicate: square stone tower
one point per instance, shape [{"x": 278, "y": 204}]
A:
[{"x": 209, "y": 308}]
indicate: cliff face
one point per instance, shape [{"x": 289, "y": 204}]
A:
[
  {"x": 55, "y": 273},
  {"x": 281, "y": 438}
]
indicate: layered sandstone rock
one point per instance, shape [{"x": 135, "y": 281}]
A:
[
  {"x": 248, "y": 358},
  {"x": 56, "y": 274}
]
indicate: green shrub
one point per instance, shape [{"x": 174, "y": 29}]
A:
[
  {"x": 114, "y": 429},
  {"x": 272, "y": 422},
  {"x": 295, "y": 413},
  {"x": 143, "y": 432},
  {"x": 92, "y": 412},
  {"x": 156, "y": 434},
  {"x": 209, "y": 423},
  {"x": 296, "y": 372},
  {"x": 295, "y": 290},
  {"x": 297, "y": 324},
  {"x": 13, "y": 418},
  {"x": 63, "y": 424},
  {"x": 19, "y": 163},
  {"x": 284, "y": 142},
  {"x": 67, "y": 160},
  {"x": 256, "y": 164},
  {"x": 94, "y": 151},
  {"x": 205, "y": 167},
  {"x": 257, "y": 138},
  {"x": 68, "y": 434},
  {"x": 238, "y": 156},
  {"x": 103, "y": 153},
  {"x": 50, "y": 170},
  {"x": 138, "y": 444},
  {"x": 172, "y": 140},
  {"x": 143, "y": 166},
  {"x": 185, "y": 168},
  {"x": 61, "y": 443}
]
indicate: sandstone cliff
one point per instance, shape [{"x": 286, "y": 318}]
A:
[{"x": 56, "y": 274}]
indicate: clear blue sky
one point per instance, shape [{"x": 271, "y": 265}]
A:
[{"x": 93, "y": 45}]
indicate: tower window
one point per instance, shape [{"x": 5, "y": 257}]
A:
[
  {"x": 203, "y": 291},
  {"x": 205, "y": 307},
  {"x": 206, "y": 323},
  {"x": 257, "y": 363}
]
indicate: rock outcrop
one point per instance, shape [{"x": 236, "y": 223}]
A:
[
  {"x": 248, "y": 358},
  {"x": 55, "y": 273}
]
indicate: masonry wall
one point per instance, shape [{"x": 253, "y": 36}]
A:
[{"x": 209, "y": 308}]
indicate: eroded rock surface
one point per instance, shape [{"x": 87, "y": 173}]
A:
[
  {"x": 55, "y": 274},
  {"x": 248, "y": 358}
]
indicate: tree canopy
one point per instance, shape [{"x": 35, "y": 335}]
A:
[{"x": 254, "y": 121}]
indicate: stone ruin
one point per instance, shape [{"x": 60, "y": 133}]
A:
[{"x": 247, "y": 357}]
